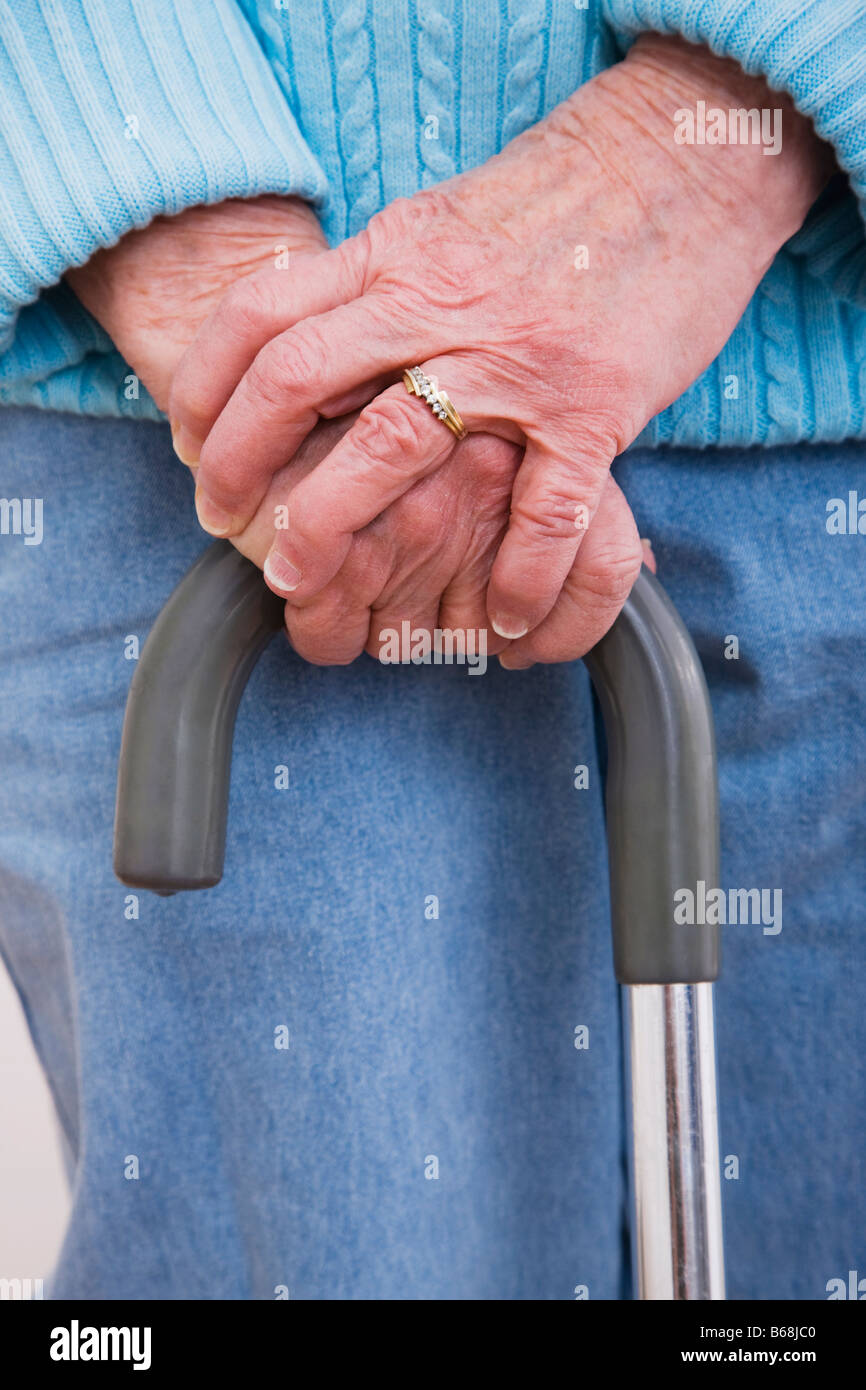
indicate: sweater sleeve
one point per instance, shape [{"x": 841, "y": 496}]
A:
[
  {"x": 113, "y": 112},
  {"x": 815, "y": 50}
]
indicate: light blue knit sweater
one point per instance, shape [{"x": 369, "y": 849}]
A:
[{"x": 114, "y": 111}]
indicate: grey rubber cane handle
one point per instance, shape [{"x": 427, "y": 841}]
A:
[
  {"x": 176, "y": 751},
  {"x": 662, "y": 789},
  {"x": 662, "y": 799}
]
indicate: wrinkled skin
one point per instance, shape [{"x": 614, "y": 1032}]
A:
[
  {"x": 475, "y": 279},
  {"x": 155, "y": 288},
  {"x": 428, "y": 558},
  {"x": 394, "y": 520}
]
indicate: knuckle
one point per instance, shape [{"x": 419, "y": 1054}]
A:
[
  {"x": 551, "y": 514},
  {"x": 265, "y": 381},
  {"x": 418, "y": 540},
  {"x": 245, "y": 308},
  {"x": 389, "y": 432},
  {"x": 291, "y": 363},
  {"x": 492, "y": 462},
  {"x": 460, "y": 256},
  {"x": 588, "y": 445},
  {"x": 319, "y": 642},
  {"x": 355, "y": 259},
  {"x": 613, "y": 570}
]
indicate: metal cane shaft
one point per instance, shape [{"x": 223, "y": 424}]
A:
[
  {"x": 662, "y": 821},
  {"x": 676, "y": 1181}
]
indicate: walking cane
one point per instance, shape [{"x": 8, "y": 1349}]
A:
[{"x": 662, "y": 823}]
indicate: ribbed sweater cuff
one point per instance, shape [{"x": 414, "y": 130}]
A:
[
  {"x": 115, "y": 111},
  {"x": 815, "y": 50}
]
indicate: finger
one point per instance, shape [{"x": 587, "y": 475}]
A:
[
  {"x": 554, "y": 501},
  {"x": 511, "y": 660},
  {"x": 255, "y": 310},
  {"x": 463, "y": 607},
  {"x": 408, "y": 615},
  {"x": 256, "y": 540},
  {"x": 396, "y": 570},
  {"x": 395, "y": 441},
  {"x": 487, "y": 467},
  {"x": 464, "y": 624},
  {"x": 333, "y": 628},
  {"x": 401, "y": 634},
  {"x": 325, "y": 634},
  {"x": 276, "y": 403},
  {"x": 595, "y": 590}
]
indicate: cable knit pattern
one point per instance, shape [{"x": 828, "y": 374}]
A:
[
  {"x": 690, "y": 409},
  {"x": 788, "y": 403},
  {"x": 436, "y": 90},
  {"x": 354, "y": 102},
  {"x": 831, "y": 242},
  {"x": 358, "y": 142},
  {"x": 265, "y": 21},
  {"x": 522, "y": 99}
]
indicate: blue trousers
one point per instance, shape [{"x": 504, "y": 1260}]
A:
[{"x": 350, "y": 1071}]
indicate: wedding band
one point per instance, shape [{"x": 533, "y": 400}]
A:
[{"x": 417, "y": 384}]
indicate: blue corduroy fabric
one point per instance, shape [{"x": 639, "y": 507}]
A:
[{"x": 113, "y": 114}]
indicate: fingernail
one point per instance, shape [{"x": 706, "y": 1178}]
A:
[
  {"x": 512, "y": 662},
  {"x": 184, "y": 444},
  {"x": 211, "y": 517},
  {"x": 281, "y": 572},
  {"x": 510, "y": 628},
  {"x": 649, "y": 557}
]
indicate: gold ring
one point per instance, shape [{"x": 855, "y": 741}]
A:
[{"x": 417, "y": 384}]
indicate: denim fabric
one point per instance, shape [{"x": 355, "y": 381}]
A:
[{"x": 413, "y": 1038}]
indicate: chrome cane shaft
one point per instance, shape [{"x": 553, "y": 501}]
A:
[{"x": 674, "y": 1151}]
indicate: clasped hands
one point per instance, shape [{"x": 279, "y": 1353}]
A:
[{"x": 562, "y": 294}]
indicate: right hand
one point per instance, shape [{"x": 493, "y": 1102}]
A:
[{"x": 474, "y": 280}]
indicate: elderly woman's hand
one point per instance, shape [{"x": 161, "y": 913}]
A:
[
  {"x": 154, "y": 289},
  {"x": 426, "y": 562},
  {"x": 562, "y": 294}
]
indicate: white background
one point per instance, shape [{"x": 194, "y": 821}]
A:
[{"x": 34, "y": 1197}]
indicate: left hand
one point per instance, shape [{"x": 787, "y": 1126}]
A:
[
  {"x": 154, "y": 289},
  {"x": 475, "y": 280}
]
